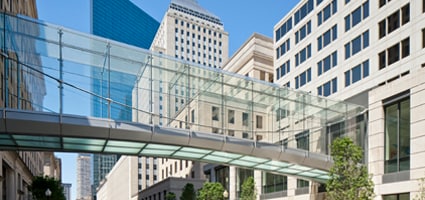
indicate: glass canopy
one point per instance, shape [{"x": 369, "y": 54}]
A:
[{"x": 52, "y": 69}]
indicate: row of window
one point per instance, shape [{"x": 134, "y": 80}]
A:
[
  {"x": 284, "y": 47},
  {"x": 392, "y": 22},
  {"x": 303, "y": 78},
  {"x": 327, "y": 37},
  {"x": 357, "y": 44},
  {"x": 199, "y": 38},
  {"x": 328, "y": 88},
  {"x": 303, "y": 32},
  {"x": 282, "y": 30},
  {"x": 355, "y": 17},
  {"x": 303, "y": 55},
  {"x": 357, "y": 73},
  {"x": 327, "y": 12},
  {"x": 327, "y": 63},
  {"x": 231, "y": 117},
  {"x": 283, "y": 69},
  {"x": 393, "y": 54},
  {"x": 303, "y": 11},
  {"x": 204, "y": 30}
]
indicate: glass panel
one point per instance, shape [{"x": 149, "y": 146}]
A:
[
  {"x": 391, "y": 138},
  {"x": 356, "y": 45},
  {"x": 356, "y": 16},
  {"x": 356, "y": 73},
  {"x": 404, "y": 135}
]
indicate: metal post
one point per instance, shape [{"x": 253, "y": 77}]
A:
[
  {"x": 253, "y": 132},
  {"x": 108, "y": 46},
  {"x": 6, "y": 63},
  {"x": 188, "y": 97},
  {"x": 223, "y": 129},
  {"x": 60, "y": 32},
  {"x": 151, "y": 90}
]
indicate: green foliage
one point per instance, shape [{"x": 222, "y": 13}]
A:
[
  {"x": 211, "y": 191},
  {"x": 188, "y": 192},
  {"x": 40, "y": 184},
  {"x": 421, "y": 193},
  {"x": 170, "y": 196},
  {"x": 248, "y": 189},
  {"x": 349, "y": 179}
]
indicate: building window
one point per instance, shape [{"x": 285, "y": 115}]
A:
[
  {"x": 245, "y": 119},
  {"x": 327, "y": 12},
  {"x": 215, "y": 113},
  {"x": 397, "y": 136},
  {"x": 245, "y": 135},
  {"x": 303, "y": 32},
  {"x": 283, "y": 48},
  {"x": 357, "y": 44},
  {"x": 423, "y": 37},
  {"x": 392, "y": 22},
  {"x": 231, "y": 133},
  {"x": 393, "y": 53},
  {"x": 357, "y": 73},
  {"x": 303, "y": 11},
  {"x": 327, "y": 63},
  {"x": 303, "y": 140},
  {"x": 192, "y": 116},
  {"x": 328, "y": 88},
  {"x": 231, "y": 116},
  {"x": 282, "y": 30},
  {"x": 283, "y": 70},
  {"x": 328, "y": 37},
  {"x": 303, "y": 78},
  {"x": 405, "y": 196},
  {"x": 274, "y": 183},
  {"x": 355, "y": 17},
  {"x": 259, "y": 120},
  {"x": 303, "y": 55},
  {"x": 302, "y": 183}
]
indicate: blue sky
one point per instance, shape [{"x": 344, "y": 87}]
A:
[{"x": 241, "y": 18}]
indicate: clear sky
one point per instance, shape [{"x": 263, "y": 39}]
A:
[{"x": 241, "y": 18}]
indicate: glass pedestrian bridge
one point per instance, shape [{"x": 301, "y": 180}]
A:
[{"x": 62, "y": 90}]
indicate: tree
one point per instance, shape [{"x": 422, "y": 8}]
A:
[
  {"x": 211, "y": 191},
  {"x": 40, "y": 184},
  {"x": 188, "y": 192},
  {"x": 170, "y": 196},
  {"x": 349, "y": 179},
  {"x": 248, "y": 189}
]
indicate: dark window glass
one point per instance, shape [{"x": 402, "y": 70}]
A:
[
  {"x": 397, "y": 136},
  {"x": 405, "y": 196},
  {"x": 382, "y": 3},
  {"x": 382, "y": 29},
  {"x": 319, "y": 43},
  {"x": 405, "y": 14},
  {"x": 366, "y": 9},
  {"x": 319, "y": 18},
  {"x": 245, "y": 119},
  {"x": 319, "y": 91},
  {"x": 334, "y": 32},
  {"x": 347, "y": 22},
  {"x": 319, "y": 68},
  {"x": 382, "y": 60},
  {"x": 302, "y": 183},
  {"x": 365, "y": 68},
  {"x": 327, "y": 89},
  {"x": 326, "y": 12},
  {"x": 365, "y": 39},
  {"x": 393, "y": 21},
  {"x": 357, "y": 45},
  {"x": 334, "y": 59},
  {"x": 259, "y": 120},
  {"x": 347, "y": 51},
  {"x": 327, "y": 38},
  {"x": 393, "y": 54},
  {"x": 334, "y": 85},
  {"x": 405, "y": 47},
  {"x": 274, "y": 183},
  {"x": 423, "y": 37},
  {"x": 302, "y": 140},
  {"x": 215, "y": 113},
  {"x": 327, "y": 64},
  {"x": 334, "y": 7},
  {"x": 231, "y": 116},
  {"x": 347, "y": 78},
  {"x": 356, "y": 16},
  {"x": 356, "y": 73}
]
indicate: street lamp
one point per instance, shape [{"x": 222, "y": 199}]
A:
[
  {"x": 48, "y": 193},
  {"x": 225, "y": 194}
]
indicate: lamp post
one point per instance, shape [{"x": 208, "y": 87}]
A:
[
  {"x": 225, "y": 194},
  {"x": 48, "y": 193}
]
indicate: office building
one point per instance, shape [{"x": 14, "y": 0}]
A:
[
  {"x": 17, "y": 168},
  {"x": 371, "y": 53},
  {"x": 67, "y": 190},
  {"x": 52, "y": 166},
  {"x": 84, "y": 177},
  {"x": 124, "y": 22},
  {"x": 191, "y": 33}
]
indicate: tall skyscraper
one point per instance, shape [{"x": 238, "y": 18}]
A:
[
  {"x": 124, "y": 22},
  {"x": 370, "y": 53},
  {"x": 83, "y": 177}
]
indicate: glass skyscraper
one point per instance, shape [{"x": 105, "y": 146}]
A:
[{"x": 124, "y": 22}]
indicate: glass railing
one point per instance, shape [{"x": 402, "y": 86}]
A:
[{"x": 52, "y": 69}]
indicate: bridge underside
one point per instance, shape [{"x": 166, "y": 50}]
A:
[{"x": 27, "y": 130}]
